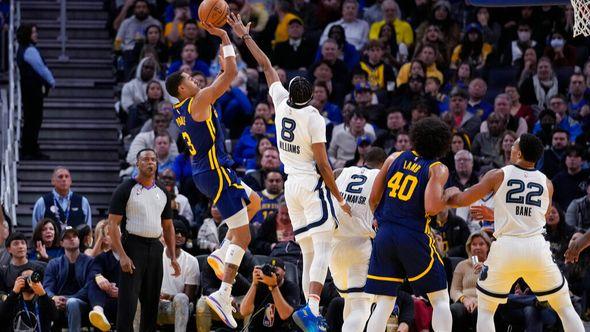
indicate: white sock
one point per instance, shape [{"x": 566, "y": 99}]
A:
[
  {"x": 234, "y": 255},
  {"x": 442, "y": 320},
  {"x": 98, "y": 309},
  {"x": 225, "y": 289},
  {"x": 383, "y": 309},
  {"x": 223, "y": 248},
  {"x": 314, "y": 304}
]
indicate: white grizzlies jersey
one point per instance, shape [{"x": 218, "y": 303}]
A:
[
  {"x": 520, "y": 203},
  {"x": 297, "y": 130},
  {"x": 355, "y": 184}
]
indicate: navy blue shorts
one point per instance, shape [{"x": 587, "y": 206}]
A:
[
  {"x": 224, "y": 188},
  {"x": 399, "y": 254}
]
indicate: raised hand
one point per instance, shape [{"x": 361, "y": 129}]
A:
[
  {"x": 215, "y": 31},
  {"x": 235, "y": 21}
]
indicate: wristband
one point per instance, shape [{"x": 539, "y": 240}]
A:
[{"x": 228, "y": 50}]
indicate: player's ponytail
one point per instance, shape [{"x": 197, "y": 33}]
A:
[{"x": 300, "y": 92}]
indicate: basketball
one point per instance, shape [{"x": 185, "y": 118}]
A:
[{"x": 214, "y": 12}]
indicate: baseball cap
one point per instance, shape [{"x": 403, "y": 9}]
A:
[
  {"x": 295, "y": 20},
  {"x": 68, "y": 230},
  {"x": 364, "y": 139},
  {"x": 359, "y": 87},
  {"x": 277, "y": 262},
  {"x": 473, "y": 26},
  {"x": 442, "y": 3}
]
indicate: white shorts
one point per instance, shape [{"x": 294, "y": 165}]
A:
[
  {"x": 310, "y": 205},
  {"x": 349, "y": 263},
  {"x": 511, "y": 258}
]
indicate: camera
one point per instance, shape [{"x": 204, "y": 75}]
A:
[
  {"x": 268, "y": 270},
  {"x": 34, "y": 277}
]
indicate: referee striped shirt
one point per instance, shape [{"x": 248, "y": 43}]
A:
[{"x": 142, "y": 208}]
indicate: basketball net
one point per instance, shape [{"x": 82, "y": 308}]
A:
[{"x": 581, "y": 17}]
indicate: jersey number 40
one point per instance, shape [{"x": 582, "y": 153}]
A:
[{"x": 402, "y": 186}]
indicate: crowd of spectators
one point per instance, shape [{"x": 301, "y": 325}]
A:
[{"x": 377, "y": 67}]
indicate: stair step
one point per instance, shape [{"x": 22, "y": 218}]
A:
[
  {"x": 88, "y": 174},
  {"x": 72, "y": 24},
  {"x": 69, "y": 164},
  {"x": 66, "y": 70},
  {"x": 100, "y": 102},
  {"x": 51, "y": 11},
  {"x": 95, "y": 195},
  {"x": 82, "y": 92},
  {"x": 79, "y": 152},
  {"x": 70, "y": 5},
  {"x": 82, "y": 62},
  {"x": 83, "y": 120},
  {"x": 79, "y": 131}
]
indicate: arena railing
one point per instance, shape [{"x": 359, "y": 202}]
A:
[{"x": 11, "y": 119}]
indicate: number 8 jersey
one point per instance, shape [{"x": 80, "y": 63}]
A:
[
  {"x": 521, "y": 202},
  {"x": 402, "y": 203},
  {"x": 297, "y": 130}
]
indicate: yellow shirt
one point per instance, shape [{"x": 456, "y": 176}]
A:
[
  {"x": 281, "y": 33},
  {"x": 404, "y": 73},
  {"x": 486, "y": 49},
  {"x": 168, "y": 29},
  {"x": 403, "y": 31}
]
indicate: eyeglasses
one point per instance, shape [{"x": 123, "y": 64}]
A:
[{"x": 463, "y": 160}]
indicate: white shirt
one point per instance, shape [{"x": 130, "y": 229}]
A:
[
  {"x": 520, "y": 202},
  {"x": 357, "y": 32},
  {"x": 189, "y": 267},
  {"x": 355, "y": 185},
  {"x": 144, "y": 211},
  {"x": 297, "y": 129}
]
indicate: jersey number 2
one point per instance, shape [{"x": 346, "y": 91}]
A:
[
  {"x": 401, "y": 186},
  {"x": 287, "y": 129},
  {"x": 191, "y": 147},
  {"x": 513, "y": 197},
  {"x": 356, "y": 185}
]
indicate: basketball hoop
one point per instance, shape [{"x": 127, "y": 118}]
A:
[{"x": 581, "y": 17}]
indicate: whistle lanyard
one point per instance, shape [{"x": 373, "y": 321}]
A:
[
  {"x": 37, "y": 315},
  {"x": 66, "y": 211}
]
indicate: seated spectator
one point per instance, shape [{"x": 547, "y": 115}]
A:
[
  {"x": 432, "y": 88},
  {"x": 579, "y": 99},
  {"x": 245, "y": 150},
  {"x": 381, "y": 75},
  {"x": 45, "y": 243},
  {"x": 153, "y": 39},
  {"x": 269, "y": 161},
  {"x": 558, "y": 105},
  {"x": 65, "y": 280},
  {"x": 343, "y": 144},
  {"x": 190, "y": 57},
  {"x": 528, "y": 65},
  {"x": 365, "y": 101},
  {"x": 284, "y": 15},
  {"x": 209, "y": 235},
  {"x": 408, "y": 95},
  {"x": 86, "y": 238},
  {"x": 4, "y": 234},
  {"x": 142, "y": 112},
  {"x": 517, "y": 109},
  {"x": 131, "y": 30},
  {"x": 460, "y": 78},
  {"x": 275, "y": 294},
  {"x": 363, "y": 144},
  {"x": 485, "y": 144},
  {"x": 463, "y": 288},
  {"x": 102, "y": 282},
  {"x": 162, "y": 145},
  {"x": 541, "y": 87},
  {"x": 339, "y": 71},
  {"x": 453, "y": 231},
  {"x": 270, "y": 196},
  {"x": 402, "y": 142},
  {"x": 330, "y": 111},
  {"x": 392, "y": 15},
  {"x": 472, "y": 49},
  {"x": 459, "y": 141},
  {"x": 514, "y": 53},
  {"x": 395, "y": 124},
  {"x": 27, "y": 307},
  {"x": 355, "y": 29},
  {"x": 99, "y": 241},
  {"x": 262, "y": 145},
  {"x": 552, "y": 161},
  {"x": 558, "y": 233},
  {"x": 427, "y": 54},
  {"x": 135, "y": 91},
  {"x": 476, "y": 105},
  {"x": 62, "y": 205},
  {"x": 434, "y": 37},
  {"x": 559, "y": 51},
  {"x": 491, "y": 30},
  {"x": 168, "y": 178},
  {"x": 235, "y": 110},
  {"x": 178, "y": 292},
  {"x": 505, "y": 147},
  {"x": 164, "y": 108},
  {"x": 548, "y": 123},
  {"x": 394, "y": 53},
  {"x": 16, "y": 245},
  {"x": 571, "y": 183},
  {"x": 296, "y": 53},
  {"x": 147, "y": 140},
  {"x": 173, "y": 28},
  {"x": 193, "y": 34},
  {"x": 442, "y": 17},
  {"x": 210, "y": 283},
  {"x": 346, "y": 51},
  {"x": 578, "y": 212},
  {"x": 463, "y": 177},
  {"x": 460, "y": 118}
]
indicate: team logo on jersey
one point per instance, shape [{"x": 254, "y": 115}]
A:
[{"x": 484, "y": 273}]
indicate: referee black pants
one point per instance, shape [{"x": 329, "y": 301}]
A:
[{"x": 143, "y": 284}]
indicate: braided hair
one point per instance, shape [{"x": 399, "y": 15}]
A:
[{"x": 300, "y": 92}]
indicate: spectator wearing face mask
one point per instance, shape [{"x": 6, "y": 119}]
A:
[
  {"x": 515, "y": 50},
  {"x": 560, "y": 53}
]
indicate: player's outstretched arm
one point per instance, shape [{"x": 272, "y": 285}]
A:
[
  {"x": 235, "y": 21},
  {"x": 321, "y": 158},
  {"x": 434, "y": 200},
  {"x": 489, "y": 183},
  {"x": 227, "y": 60},
  {"x": 576, "y": 246},
  {"x": 379, "y": 184}
]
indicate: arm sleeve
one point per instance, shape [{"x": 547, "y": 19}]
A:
[
  {"x": 120, "y": 197},
  {"x": 278, "y": 93},
  {"x": 406, "y": 308},
  {"x": 33, "y": 58},
  {"x": 87, "y": 211},
  {"x": 38, "y": 211},
  {"x": 317, "y": 129}
]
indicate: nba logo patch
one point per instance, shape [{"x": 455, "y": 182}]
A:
[{"x": 269, "y": 315}]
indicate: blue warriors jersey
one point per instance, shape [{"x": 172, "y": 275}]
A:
[
  {"x": 402, "y": 203},
  {"x": 205, "y": 140},
  {"x": 269, "y": 204}
]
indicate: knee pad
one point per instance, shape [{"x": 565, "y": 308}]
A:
[{"x": 239, "y": 219}]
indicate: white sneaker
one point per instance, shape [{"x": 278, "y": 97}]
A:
[
  {"x": 221, "y": 305},
  {"x": 215, "y": 260},
  {"x": 99, "y": 320}
]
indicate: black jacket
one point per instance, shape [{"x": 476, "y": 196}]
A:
[
  {"x": 287, "y": 57},
  {"x": 13, "y": 307},
  {"x": 454, "y": 233}
]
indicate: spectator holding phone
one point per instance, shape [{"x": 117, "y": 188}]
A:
[
  {"x": 270, "y": 313},
  {"x": 27, "y": 307}
]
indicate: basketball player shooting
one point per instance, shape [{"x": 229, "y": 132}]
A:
[
  {"x": 301, "y": 134},
  {"x": 522, "y": 199},
  {"x": 212, "y": 172}
]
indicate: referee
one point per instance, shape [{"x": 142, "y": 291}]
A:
[{"x": 141, "y": 207}]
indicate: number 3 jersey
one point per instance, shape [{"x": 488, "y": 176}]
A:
[
  {"x": 521, "y": 202},
  {"x": 205, "y": 140},
  {"x": 402, "y": 203},
  {"x": 355, "y": 184},
  {"x": 297, "y": 130}
]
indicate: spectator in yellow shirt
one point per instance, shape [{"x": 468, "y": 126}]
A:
[
  {"x": 428, "y": 57},
  {"x": 282, "y": 11},
  {"x": 472, "y": 49},
  {"x": 391, "y": 13}
]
